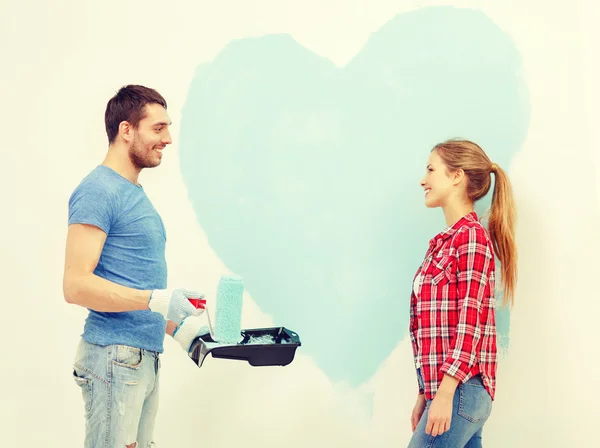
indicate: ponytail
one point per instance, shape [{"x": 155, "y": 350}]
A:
[
  {"x": 501, "y": 227},
  {"x": 468, "y": 156}
]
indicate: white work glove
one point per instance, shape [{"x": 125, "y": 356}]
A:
[
  {"x": 190, "y": 329},
  {"x": 174, "y": 304}
]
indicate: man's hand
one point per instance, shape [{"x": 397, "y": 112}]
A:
[
  {"x": 190, "y": 328},
  {"x": 417, "y": 412},
  {"x": 440, "y": 414},
  {"x": 174, "y": 304}
]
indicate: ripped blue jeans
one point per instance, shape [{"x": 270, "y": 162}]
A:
[
  {"x": 119, "y": 385},
  {"x": 471, "y": 408}
]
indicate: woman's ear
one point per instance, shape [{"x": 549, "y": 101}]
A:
[{"x": 458, "y": 176}]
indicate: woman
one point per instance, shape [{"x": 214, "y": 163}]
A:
[{"x": 452, "y": 322}]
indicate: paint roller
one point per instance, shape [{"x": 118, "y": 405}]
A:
[
  {"x": 228, "y": 317},
  {"x": 227, "y": 328},
  {"x": 227, "y": 340}
]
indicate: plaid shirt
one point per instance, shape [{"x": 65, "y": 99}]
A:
[{"x": 452, "y": 320}]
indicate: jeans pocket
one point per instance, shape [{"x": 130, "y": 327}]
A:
[
  {"x": 130, "y": 357},
  {"x": 475, "y": 404},
  {"x": 87, "y": 389}
]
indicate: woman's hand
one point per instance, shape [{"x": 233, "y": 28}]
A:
[
  {"x": 440, "y": 414},
  {"x": 417, "y": 411}
]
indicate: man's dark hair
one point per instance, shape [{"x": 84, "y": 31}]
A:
[{"x": 129, "y": 105}]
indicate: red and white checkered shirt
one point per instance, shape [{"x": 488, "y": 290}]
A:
[{"x": 452, "y": 320}]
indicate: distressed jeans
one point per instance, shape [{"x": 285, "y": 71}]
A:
[
  {"x": 471, "y": 407},
  {"x": 119, "y": 385}
]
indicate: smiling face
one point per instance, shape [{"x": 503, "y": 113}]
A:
[
  {"x": 150, "y": 138},
  {"x": 439, "y": 184}
]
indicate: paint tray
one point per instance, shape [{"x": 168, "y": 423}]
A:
[{"x": 279, "y": 352}]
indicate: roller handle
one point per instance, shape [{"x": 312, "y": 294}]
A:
[{"x": 198, "y": 303}]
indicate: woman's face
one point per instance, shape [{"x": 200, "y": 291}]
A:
[{"x": 437, "y": 183}]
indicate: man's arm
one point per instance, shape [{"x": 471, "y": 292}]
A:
[
  {"x": 82, "y": 287},
  {"x": 171, "y": 327}
]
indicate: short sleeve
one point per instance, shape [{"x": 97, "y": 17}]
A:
[{"x": 94, "y": 204}]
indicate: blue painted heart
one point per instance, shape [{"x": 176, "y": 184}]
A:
[{"x": 305, "y": 176}]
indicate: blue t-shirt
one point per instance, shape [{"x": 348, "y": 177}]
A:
[{"x": 133, "y": 255}]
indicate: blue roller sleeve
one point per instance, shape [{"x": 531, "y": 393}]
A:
[{"x": 227, "y": 329}]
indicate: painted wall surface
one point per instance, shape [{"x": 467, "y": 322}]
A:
[{"x": 301, "y": 131}]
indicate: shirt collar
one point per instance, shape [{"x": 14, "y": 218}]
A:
[{"x": 451, "y": 230}]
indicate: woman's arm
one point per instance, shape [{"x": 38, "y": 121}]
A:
[{"x": 473, "y": 264}]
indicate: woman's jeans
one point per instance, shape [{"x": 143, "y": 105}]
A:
[{"x": 471, "y": 408}]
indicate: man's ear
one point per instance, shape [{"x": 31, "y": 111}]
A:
[{"x": 126, "y": 131}]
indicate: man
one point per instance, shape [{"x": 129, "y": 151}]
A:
[{"x": 115, "y": 267}]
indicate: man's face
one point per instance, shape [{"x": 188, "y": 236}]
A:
[{"x": 150, "y": 138}]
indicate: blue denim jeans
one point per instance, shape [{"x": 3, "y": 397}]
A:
[
  {"x": 471, "y": 407},
  {"x": 119, "y": 385}
]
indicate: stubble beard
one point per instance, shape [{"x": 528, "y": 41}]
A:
[{"x": 140, "y": 157}]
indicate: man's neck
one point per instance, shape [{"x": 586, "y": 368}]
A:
[{"x": 117, "y": 160}]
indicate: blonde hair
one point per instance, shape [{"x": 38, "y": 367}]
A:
[{"x": 469, "y": 157}]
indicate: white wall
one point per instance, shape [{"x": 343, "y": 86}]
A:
[{"x": 61, "y": 62}]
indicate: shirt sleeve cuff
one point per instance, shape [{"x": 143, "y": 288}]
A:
[{"x": 456, "y": 369}]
